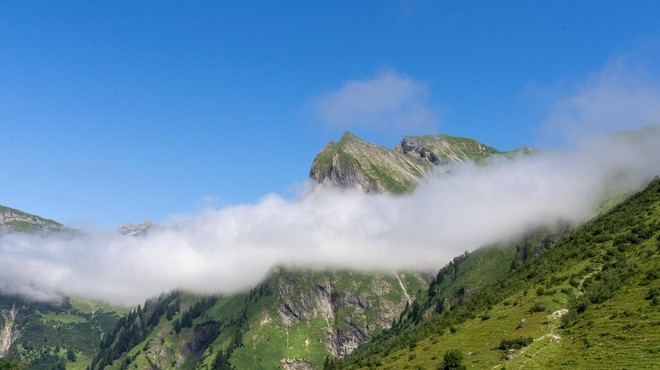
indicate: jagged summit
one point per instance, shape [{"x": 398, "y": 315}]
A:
[
  {"x": 140, "y": 229},
  {"x": 12, "y": 220},
  {"x": 354, "y": 163}
]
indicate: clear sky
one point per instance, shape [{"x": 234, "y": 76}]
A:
[{"x": 122, "y": 111}]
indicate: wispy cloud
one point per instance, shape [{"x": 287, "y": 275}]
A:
[
  {"x": 623, "y": 95},
  {"x": 388, "y": 101}
]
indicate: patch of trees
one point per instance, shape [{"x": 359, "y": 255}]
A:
[
  {"x": 186, "y": 320},
  {"x": 47, "y": 361},
  {"x": 131, "y": 330},
  {"x": 11, "y": 365}
]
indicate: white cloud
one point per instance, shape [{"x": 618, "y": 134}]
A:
[
  {"x": 233, "y": 248},
  {"x": 388, "y": 101},
  {"x": 620, "y": 96}
]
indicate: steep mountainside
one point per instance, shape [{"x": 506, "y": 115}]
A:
[
  {"x": 15, "y": 220},
  {"x": 294, "y": 320},
  {"x": 586, "y": 298},
  {"x": 354, "y": 163}
]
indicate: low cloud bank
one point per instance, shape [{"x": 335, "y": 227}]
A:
[{"x": 233, "y": 248}]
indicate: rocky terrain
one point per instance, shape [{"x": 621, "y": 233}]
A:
[{"x": 354, "y": 163}]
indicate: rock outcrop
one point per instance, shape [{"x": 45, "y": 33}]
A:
[{"x": 351, "y": 305}]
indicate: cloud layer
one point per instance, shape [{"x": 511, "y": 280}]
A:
[
  {"x": 233, "y": 248},
  {"x": 388, "y": 101}
]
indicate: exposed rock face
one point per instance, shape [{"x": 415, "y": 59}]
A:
[
  {"x": 297, "y": 364},
  {"x": 412, "y": 148},
  {"x": 8, "y": 333},
  {"x": 14, "y": 220},
  {"x": 352, "y": 308},
  {"x": 354, "y": 163}
]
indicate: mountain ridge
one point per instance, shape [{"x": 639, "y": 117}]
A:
[
  {"x": 354, "y": 163},
  {"x": 12, "y": 220}
]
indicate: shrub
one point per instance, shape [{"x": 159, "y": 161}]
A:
[
  {"x": 453, "y": 360},
  {"x": 537, "y": 307}
]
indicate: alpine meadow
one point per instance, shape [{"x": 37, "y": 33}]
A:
[{"x": 374, "y": 185}]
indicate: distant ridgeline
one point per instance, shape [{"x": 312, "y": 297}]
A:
[
  {"x": 15, "y": 220},
  {"x": 354, "y": 163}
]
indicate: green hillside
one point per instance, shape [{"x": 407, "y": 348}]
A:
[
  {"x": 294, "y": 318},
  {"x": 589, "y": 299}
]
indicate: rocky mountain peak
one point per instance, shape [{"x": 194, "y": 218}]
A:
[{"x": 355, "y": 163}]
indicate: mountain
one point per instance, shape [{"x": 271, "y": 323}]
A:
[
  {"x": 571, "y": 296},
  {"x": 12, "y": 220},
  {"x": 582, "y": 298},
  {"x": 293, "y": 320},
  {"x": 354, "y": 163}
]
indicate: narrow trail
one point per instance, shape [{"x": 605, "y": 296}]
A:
[{"x": 403, "y": 288}]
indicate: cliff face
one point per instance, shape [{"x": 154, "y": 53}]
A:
[
  {"x": 293, "y": 320},
  {"x": 354, "y": 163},
  {"x": 350, "y": 307}
]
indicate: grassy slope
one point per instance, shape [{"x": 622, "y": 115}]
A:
[{"x": 606, "y": 274}]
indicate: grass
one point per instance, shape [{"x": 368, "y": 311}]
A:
[
  {"x": 612, "y": 264},
  {"x": 65, "y": 318}
]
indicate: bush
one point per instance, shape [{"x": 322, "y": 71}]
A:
[
  {"x": 453, "y": 360},
  {"x": 537, "y": 307}
]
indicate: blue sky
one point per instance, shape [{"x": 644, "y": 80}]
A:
[{"x": 115, "y": 112}]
